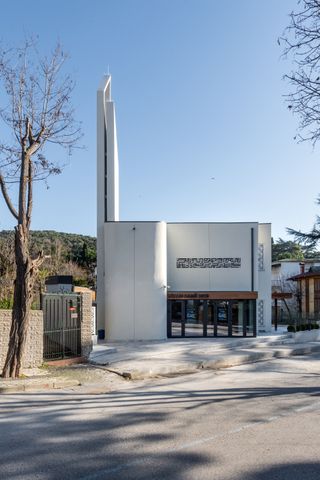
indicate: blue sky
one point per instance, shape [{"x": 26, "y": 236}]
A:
[{"x": 199, "y": 94}]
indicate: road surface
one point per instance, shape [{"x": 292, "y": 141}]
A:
[{"x": 255, "y": 422}]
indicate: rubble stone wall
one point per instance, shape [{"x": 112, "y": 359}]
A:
[{"x": 33, "y": 354}]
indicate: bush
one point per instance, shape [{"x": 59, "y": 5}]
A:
[
  {"x": 316, "y": 326},
  {"x": 303, "y": 328},
  {"x": 291, "y": 328},
  {"x": 298, "y": 328},
  {"x": 6, "y": 303}
]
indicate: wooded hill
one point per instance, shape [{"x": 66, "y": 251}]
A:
[
  {"x": 68, "y": 246},
  {"x": 67, "y": 254}
]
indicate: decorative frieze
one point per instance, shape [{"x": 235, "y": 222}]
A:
[
  {"x": 261, "y": 257},
  {"x": 260, "y": 313},
  {"x": 213, "y": 262}
]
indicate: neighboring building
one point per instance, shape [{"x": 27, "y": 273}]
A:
[
  {"x": 308, "y": 283},
  {"x": 59, "y": 284},
  {"x": 157, "y": 280},
  {"x": 282, "y": 272}
]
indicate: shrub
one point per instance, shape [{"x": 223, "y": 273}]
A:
[
  {"x": 303, "y": 328},
  {"x": 6, "y": 303},
  {"x": 316, "y": 325},
  {"x": 291, "y": 328},
  {"x": 298, "y": 328}
]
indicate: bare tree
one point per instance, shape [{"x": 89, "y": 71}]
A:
[
  {"x": 36, "y": 114},
  {"x": 284, "y": 284},
  {"x": 302, "y": 45}
]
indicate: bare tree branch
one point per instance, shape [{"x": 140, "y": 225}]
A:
[
  {"x": 30, "y": 193},
  {"x": 7, "y": 198},
  {"x": 301, "y": 41}
]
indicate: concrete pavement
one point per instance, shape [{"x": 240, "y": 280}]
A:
[
  {"x": 141, "y": 360},
  {"x": 111, "y": 363}
]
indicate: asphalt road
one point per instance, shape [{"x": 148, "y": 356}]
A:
[{"x": 255, "y": 422}]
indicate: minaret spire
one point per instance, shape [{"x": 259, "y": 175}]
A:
[{"x": 107, "y": 179}]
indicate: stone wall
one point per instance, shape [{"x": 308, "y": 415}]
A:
[
  {"x": 33, "y": 354},
  {"x": 86, "y": 323}
]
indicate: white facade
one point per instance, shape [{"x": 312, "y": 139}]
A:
[
  {"x": 141, "y": 267},
  {"x": 213, "y": 240},
  {"x": 136, "y": 280},
  {"x": 140, "y": 264}
]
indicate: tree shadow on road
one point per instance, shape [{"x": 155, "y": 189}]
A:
[
  {"x": 291, "y": 471},
  {"x": 148, "y": 396},
  {"x": 66, "y": 444},
  {"x": 132, "y": 434}
]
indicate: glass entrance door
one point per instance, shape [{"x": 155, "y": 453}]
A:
[
  {"x": 238, "y": 312},
  {"x": 194, "y": 318},
  {"x": 222, "y": 318},
  {"x": 218, "y": 319},
  {"x": 211, "y": 318},
  {"x": 177, "y": 318}
]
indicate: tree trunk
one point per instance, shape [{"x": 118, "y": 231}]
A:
[{"x": 23, "y": 288}]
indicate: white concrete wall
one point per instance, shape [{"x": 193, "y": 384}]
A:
[
  {"x": 136, "y": 279},
  {"x": 264, "y": 277},
  {"x": 212, "y": 240}
]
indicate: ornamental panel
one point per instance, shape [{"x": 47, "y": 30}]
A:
[{"x": 214, "y": 262}]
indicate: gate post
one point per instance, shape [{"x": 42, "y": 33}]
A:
[{"x": 86, "y": 323}]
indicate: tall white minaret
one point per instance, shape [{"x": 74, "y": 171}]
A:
[{"x": 107, "y": 183}]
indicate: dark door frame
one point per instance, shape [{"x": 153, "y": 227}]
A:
[{"x": 214, "y": 307}]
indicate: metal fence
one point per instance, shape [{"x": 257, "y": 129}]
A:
[{"x": 62, "y": 325}]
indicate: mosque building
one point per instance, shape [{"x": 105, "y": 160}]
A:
[{"x": 158, "y": 280}]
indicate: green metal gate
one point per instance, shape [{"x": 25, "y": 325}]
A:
[{"x": 62, "y": 325}]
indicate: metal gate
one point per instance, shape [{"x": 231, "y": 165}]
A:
[{"x": 62, "y": 325}]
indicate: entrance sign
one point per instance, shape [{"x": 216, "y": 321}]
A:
[{"x": 240, "y": 295}]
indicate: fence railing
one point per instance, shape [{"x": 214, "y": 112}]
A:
[{"x": 62, "y": 326}]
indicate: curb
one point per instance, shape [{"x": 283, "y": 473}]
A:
[
  {"x": 29, "y": 387},
  {"x": 153, "y": 373},
  {"x": 218, "y": 363},
  {"x": 305, "y": 350},
  {"x": 236, "y": 360}
]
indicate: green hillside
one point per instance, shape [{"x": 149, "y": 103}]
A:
[
  {"x": 66, "y": 254},
  {"x": 71, "y": 246}
]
